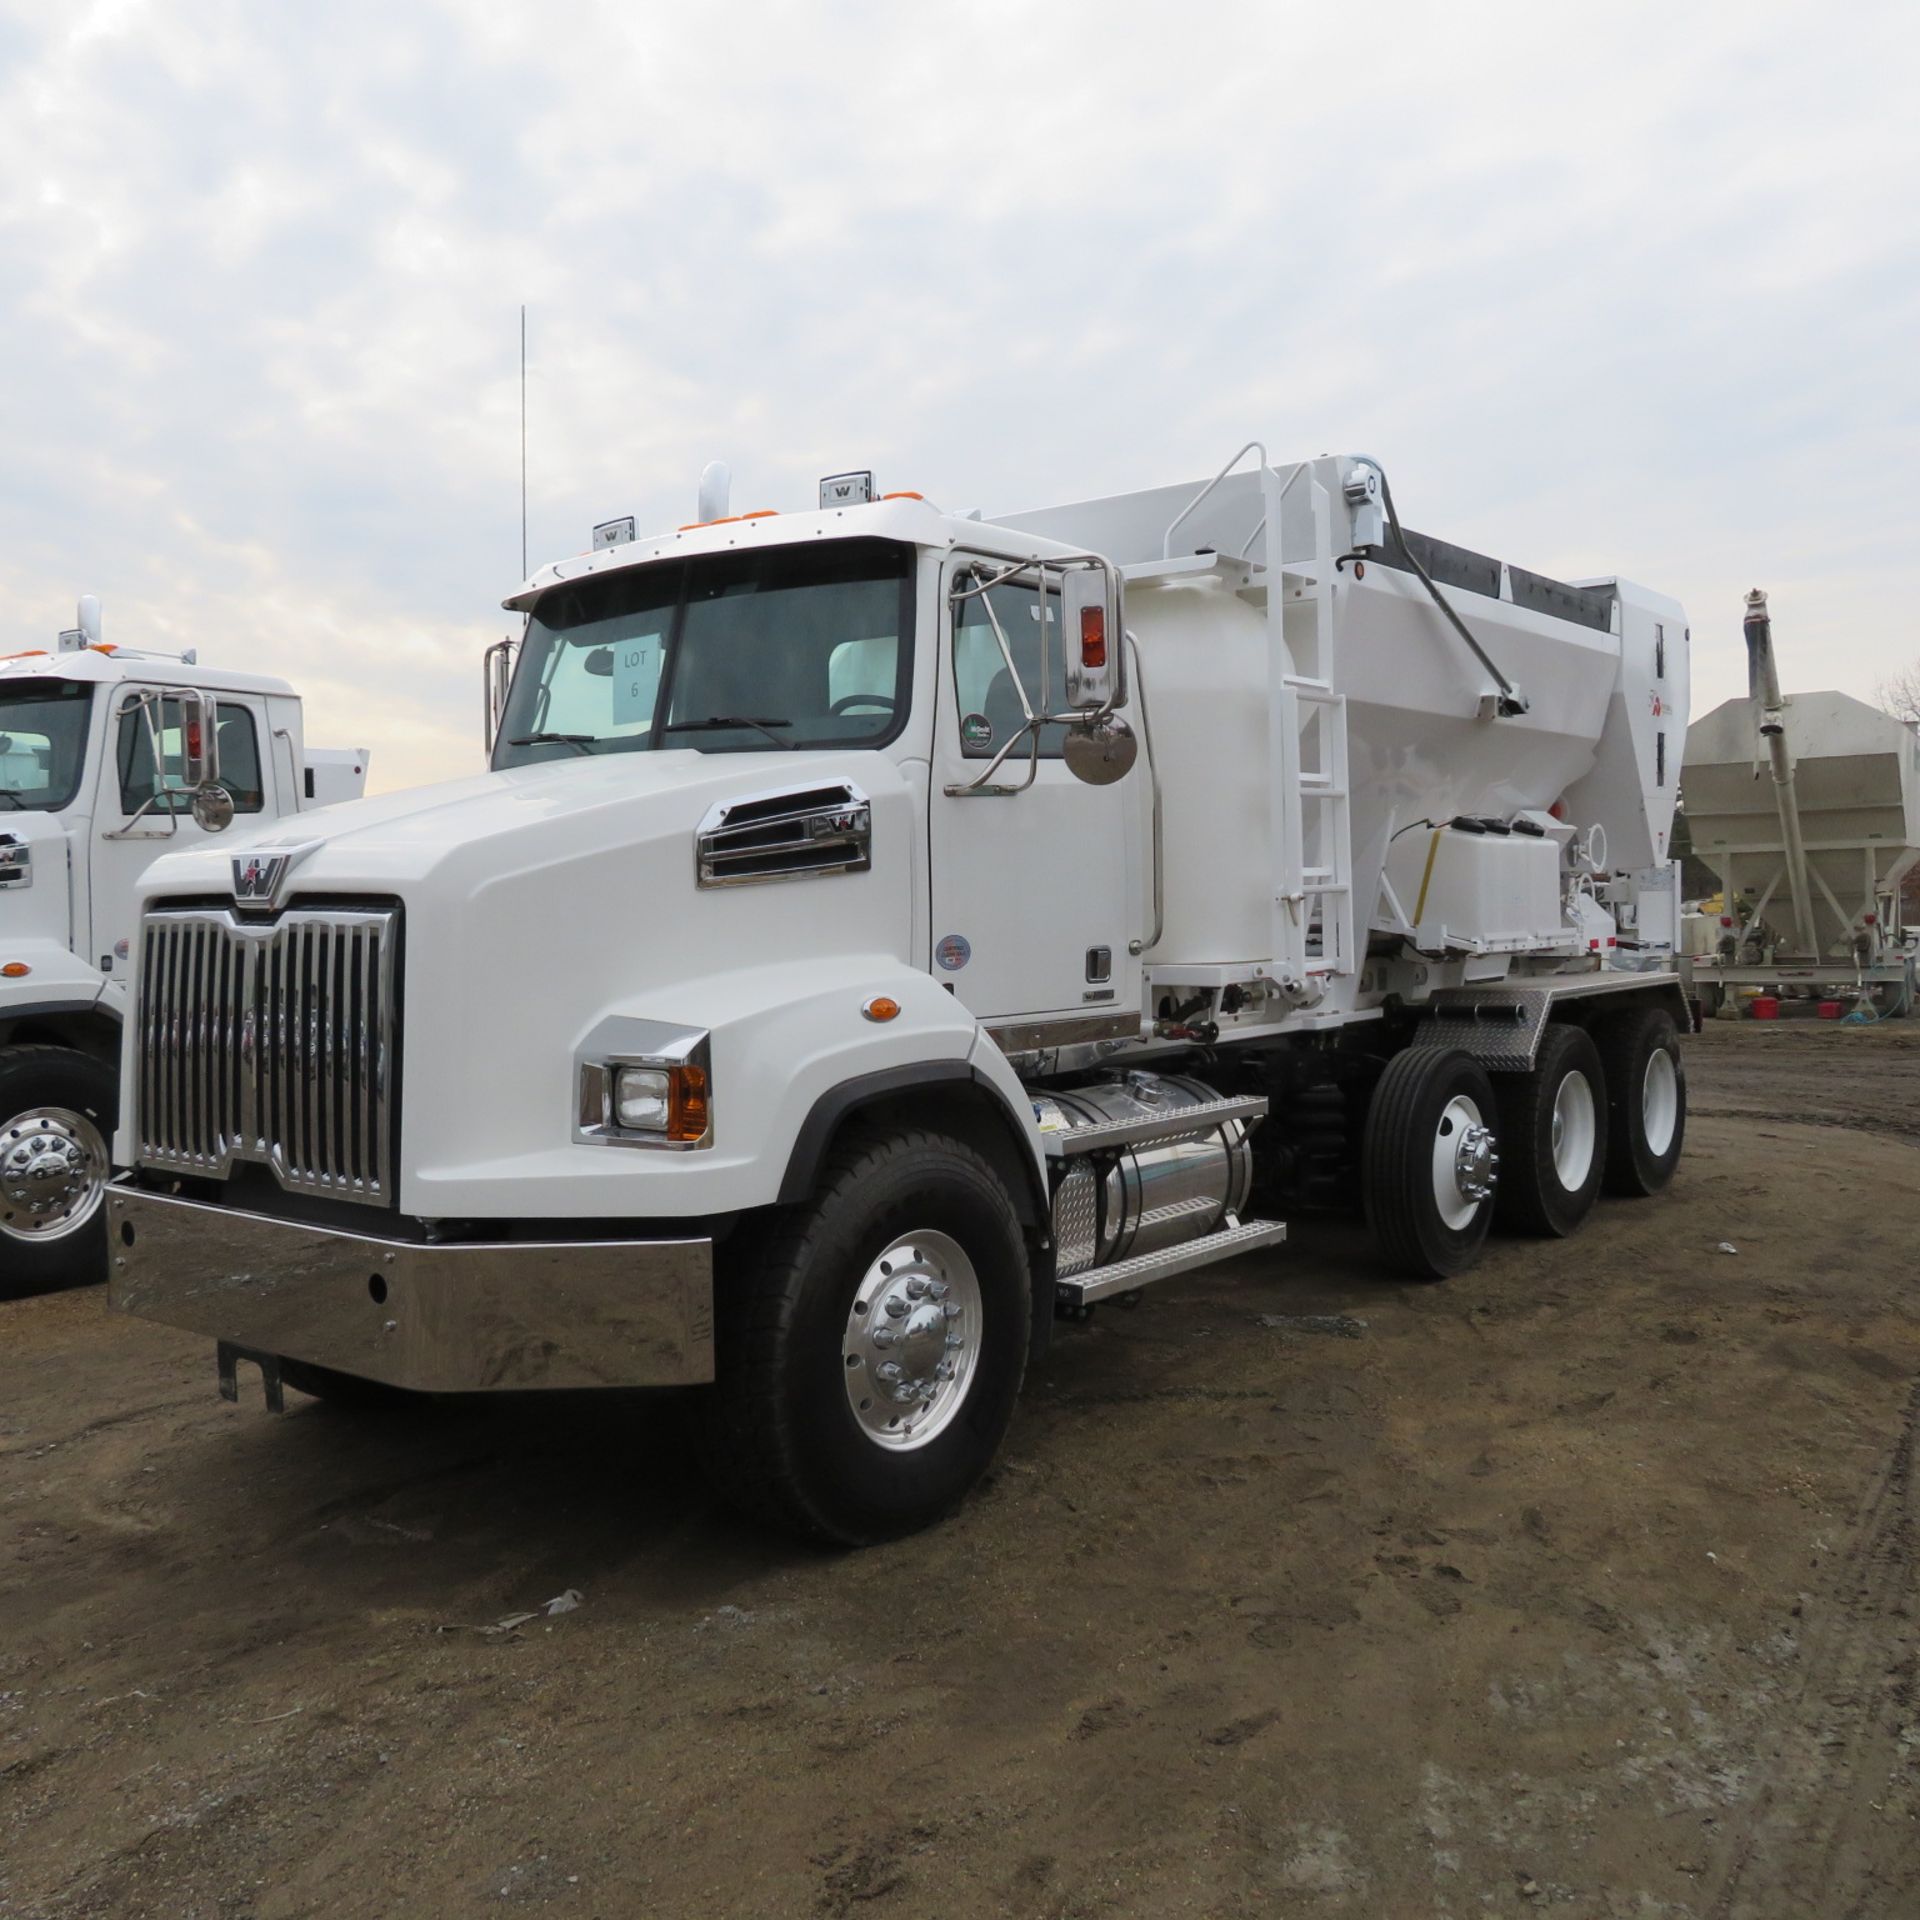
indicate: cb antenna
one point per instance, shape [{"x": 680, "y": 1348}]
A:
[{"x": 523, "y": 440}]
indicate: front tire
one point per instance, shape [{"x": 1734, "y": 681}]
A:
[
  {"x": 871, "y": 1343},
  {"x": 1428, "y": 1164},
  {"x": 56, "y": 1119},
  {"x": 1553, "y": 1137},
  {"x": 1646, "y": 1099}
]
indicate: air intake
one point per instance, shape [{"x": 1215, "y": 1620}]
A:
[{"x": 799, "y": 833}]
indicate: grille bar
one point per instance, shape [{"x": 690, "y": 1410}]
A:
[{"x": 273, "y": 1044}]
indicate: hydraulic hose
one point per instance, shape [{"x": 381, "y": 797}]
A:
[{"x": 1511, "y": 700}]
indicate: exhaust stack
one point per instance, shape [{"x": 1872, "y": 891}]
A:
[{"x": 716, "y": 485}]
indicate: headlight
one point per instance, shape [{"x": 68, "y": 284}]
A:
[
  {"x": 659, "y": 1098},
  {"x": 641, "y": 1098}
]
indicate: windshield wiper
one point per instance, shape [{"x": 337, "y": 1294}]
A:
[
  {"x": 19, "y": 799},
  {"x": 584, "y": 741},
  {"x": 731, "y": 720}
]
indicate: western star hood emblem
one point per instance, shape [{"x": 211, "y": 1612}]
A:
[
  {"x": 259, "y": 876},
  {"x": 255, "y": 875}
]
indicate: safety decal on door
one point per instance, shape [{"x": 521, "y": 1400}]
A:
[{"x": 953, "y": 952}]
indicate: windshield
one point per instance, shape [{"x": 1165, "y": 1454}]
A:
[
  {"x": 43, "y": 741},
  {"x": 729, "y": 653}
]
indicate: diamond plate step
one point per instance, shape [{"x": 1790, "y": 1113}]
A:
[
  {"x": 1128, "y": 1276},
  {"x": 1170, "y": 1126}
]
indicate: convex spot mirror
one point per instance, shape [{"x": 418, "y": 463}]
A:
[
  {"x": 1100, "y": 750},
  {"x": 212, "y": 809}
]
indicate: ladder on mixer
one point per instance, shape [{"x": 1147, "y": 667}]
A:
[{"x": 1312, "y": 828}]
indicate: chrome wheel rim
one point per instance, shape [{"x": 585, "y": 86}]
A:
[
  {"x": 1575, "y": 1131},
  {"x": 53, "y": 1171},
  {"x": 1660, "y": 1101},
  {"x": 1465, "y": 1164},
  {"x": 912, "y": 1343}
]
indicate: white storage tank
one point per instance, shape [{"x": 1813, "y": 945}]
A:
[{"x": 1856, "y": 780}]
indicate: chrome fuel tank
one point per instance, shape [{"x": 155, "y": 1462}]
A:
[{"x": 1138, "y": 1199}]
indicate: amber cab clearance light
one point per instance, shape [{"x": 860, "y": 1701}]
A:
[
  {"x": 905, "y": 493},
  {"x": 882, "y": 1007},
  {"x": 15, "y": 970}
]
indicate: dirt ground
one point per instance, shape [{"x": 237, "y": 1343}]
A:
[{"x": 1585, "y": 1582}]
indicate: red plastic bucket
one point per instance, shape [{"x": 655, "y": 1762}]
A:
[{"x": 1764, "y": 1006}]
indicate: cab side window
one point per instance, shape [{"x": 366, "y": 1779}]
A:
[
  {"x": 989, "y": 700},
  {"x": 140, "y": 778}
]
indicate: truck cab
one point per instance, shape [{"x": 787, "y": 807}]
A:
[{"x": 103, "y": 753}]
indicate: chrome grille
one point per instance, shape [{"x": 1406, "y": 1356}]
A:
[{"x": 271, "y": 1043}]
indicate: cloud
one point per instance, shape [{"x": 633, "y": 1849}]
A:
[{"x": 1626, "y": 290}]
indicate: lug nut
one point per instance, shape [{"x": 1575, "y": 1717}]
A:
[
  {"x": 937, "y": 1289},
  {"x": 896, "y": 1309},
  {"x": 891, "y": 1371},
  {"x": 951, "y": 1308},
  {"x": 884, "y": 1336},
  {"x": 917, "y": 1288},
  {"x": 954, "y": 1340}
]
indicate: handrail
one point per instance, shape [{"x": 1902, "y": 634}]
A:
[
  {"x": 1153, "y": 786},
  {"x": 1192, "y": 506}
]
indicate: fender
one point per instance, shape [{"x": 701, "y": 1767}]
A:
[
  {"x": 40, "y": 1009},
  {"x": 897, "y": 1084}
]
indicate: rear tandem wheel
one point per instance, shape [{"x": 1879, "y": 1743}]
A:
[{"x": 1429, "y": 1162}]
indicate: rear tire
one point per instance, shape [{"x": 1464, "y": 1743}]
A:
[
  {"x": 1646, "y": 1099},
  {"x": 57, "y": 1110},
  {"x": 1428, "y": 1163},
  {"x": 801, "y": 1428},
  {"x": 1553, "y": 1137}
]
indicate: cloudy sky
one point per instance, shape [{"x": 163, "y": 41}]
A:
[{"x": 1609, "y": 288}]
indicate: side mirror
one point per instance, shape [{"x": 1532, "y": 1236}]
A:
[
  {"x": 211, "y": 803},
  {"x": 1091, "y": 640},
  {"x": 199, "y": 740},
  {"x": 497, "y": 673}
]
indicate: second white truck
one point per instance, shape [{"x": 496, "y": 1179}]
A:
[
  {"x": 102, "y": 752},
  {"x": 883, "y": 930}
]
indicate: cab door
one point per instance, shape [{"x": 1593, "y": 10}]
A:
[
  {"x": 1036, "y": 882},
  {"x": 142, "y": 808}
]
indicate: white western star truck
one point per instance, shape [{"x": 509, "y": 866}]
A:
[
  {"x": 95, "y": 780},
  {"x": 882, "y": 929}
]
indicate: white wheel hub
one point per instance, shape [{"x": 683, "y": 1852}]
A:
[
  {"x": 1575, "y": 1130},
  {"x": 53, "y": 1170},
  {"x": 1465, "y": 1163},
  {"x": 1659, "y": 1101},
  {"x": 913, "y": 1340}
]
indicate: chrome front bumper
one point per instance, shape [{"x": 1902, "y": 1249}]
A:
[{"x": 447, "y": 1318}]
